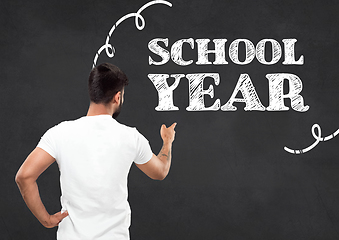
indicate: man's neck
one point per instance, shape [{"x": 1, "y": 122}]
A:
[{"x": 99, "y": 109}]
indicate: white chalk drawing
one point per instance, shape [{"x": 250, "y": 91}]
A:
[
  {"x": 244, "y": 85},
  {"x": 196, "y": 80},
  {"x": 139, "y": 23},
  {"x": 318, "y": 138},
  {"x": 161, "y": 47},
  {"x": 219, "y": 51}
]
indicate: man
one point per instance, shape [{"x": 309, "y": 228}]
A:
[{"x": 94, "y": 154}]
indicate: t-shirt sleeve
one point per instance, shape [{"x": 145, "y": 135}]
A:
[
  {"x": 47, "y": 142},
  {"x": 144, "y": 151}
]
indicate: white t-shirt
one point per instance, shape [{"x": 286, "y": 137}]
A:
[{"x": 94, "y": 154}]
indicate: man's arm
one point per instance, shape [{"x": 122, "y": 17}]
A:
[
  {"x": 158, "y": 167},
  {"x": 35, "y": 164}
]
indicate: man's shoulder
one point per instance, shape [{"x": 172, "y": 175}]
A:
[
  {"x": 64, "y": 125},
  {"x": 129, "y": 129},
  {"x": 132, "y": 130},
  {"x": 124, "y": 126}
]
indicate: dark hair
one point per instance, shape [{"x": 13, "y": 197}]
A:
[{"x": 104, "y": 82}]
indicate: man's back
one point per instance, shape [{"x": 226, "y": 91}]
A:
[{"x": 94, "y": 154}]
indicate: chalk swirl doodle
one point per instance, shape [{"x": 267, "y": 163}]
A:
[
  {"x": 139, "y": 23},
  {"x": 317, "y": 137}
]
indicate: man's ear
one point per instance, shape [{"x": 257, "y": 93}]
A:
[{"x": 116, "y": 98}]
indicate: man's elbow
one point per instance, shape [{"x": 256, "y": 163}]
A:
[
  {"x": 160, "y": 175},
  {"x": 18, "y": 178},
  {"x": 159, "y": 178},
  {"x": 21, "y": 178},
  {"x": 23, "y": 182}
]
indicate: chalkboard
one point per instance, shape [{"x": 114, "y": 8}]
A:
[{"x": 231, "y": 175}]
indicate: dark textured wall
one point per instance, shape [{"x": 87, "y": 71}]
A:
[{"x": 231, "y": 177}]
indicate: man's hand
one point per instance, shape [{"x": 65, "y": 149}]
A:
[
  {"x": 158, "y": 167},
  {"x": 167, "y": 134},
  {"x": 55, "y": 219}
]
